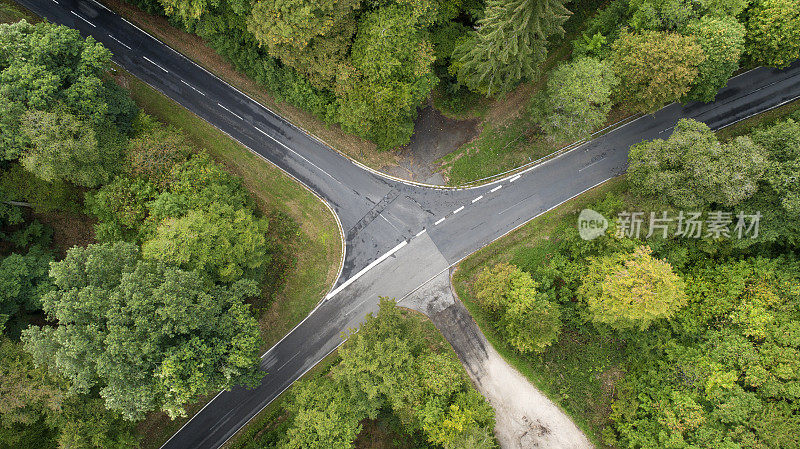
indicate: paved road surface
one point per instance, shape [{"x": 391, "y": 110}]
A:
[{"x": 424, "y": 229}]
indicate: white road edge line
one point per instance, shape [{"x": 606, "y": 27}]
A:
[
  {"x": 458, "y": 210},
  {"x": 194, "y": 88},
  {"x": 477, "y": 199},
  {"x": 120, "y": 42},
  {"x": 420, "y": 233},
  {"x": 151, "y": 62},
  {"x": 102, "y": 6},
  {"x": 439, "y": 221},
  {"x": 365, "y": 269},
  {"x": 237, "y": 115},
  {"x": 496, "y": 189},
  {"x": 82, "y": 18},
  {"x": 514, "y": 178}
]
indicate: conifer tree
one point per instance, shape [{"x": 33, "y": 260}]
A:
[{"x": 509, "y": 44}]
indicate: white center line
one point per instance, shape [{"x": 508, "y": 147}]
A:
[
  {"x": 193, "y": 88},
  {"x": 439, "y": 221},
  {"x": 151, "y": 62},
  {"x": 496, "y": 189},
  {"x": 514, "y": 178},
  {"x": 54, "y": 1},
  {"x": 420, "y": 233},
  {"x": 237, "y": 115},
  {"x": 295, "y": 152},
  {"x": 81, "y": 17},
  {"x": 477, "y": 199},
  {"x": 595, "y": 162},
  {"x": 458, "y": 210},
  {"x": 120, "y": 42}
]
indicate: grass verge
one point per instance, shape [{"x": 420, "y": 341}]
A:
[
  {"x": 311, "y": 243},
  {"x": 11, "y": 12}
]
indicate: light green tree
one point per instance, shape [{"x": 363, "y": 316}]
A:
[
  {"x": 147, "y": 336},
  {"x": 326, "y": 416},
  {"x": 525, "y": 316},
  {"x": 655, "y": 68},
  {"x": 692, "y": 169},
  {"x": 722, "y": 41},
  {"x": 577, "y": 99},
  {"x": 631, "y": 290},
  {"x": 47, "y": 66},
  {"x": 390, "y": 77},
  {"x": 222, "y": 242},
  {"x": 63, "y": 147},
  {"x": 773, "y": 32},
  {"x": 509, "y": 45},
  {"x": 313, "y": 37}
]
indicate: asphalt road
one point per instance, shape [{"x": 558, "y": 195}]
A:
[{"x": 413, "y": 232}]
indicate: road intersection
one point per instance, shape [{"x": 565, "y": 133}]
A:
[{"x": 398, "y": 234}]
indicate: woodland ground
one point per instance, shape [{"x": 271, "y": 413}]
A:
[
  {"x": 580, "y": 371},
  {"x": 306, "y": 259}
]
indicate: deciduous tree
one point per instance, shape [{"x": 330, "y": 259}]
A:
[
  {"x": 722, "y": 41},
  {"x": 692, "y": 169},
  {"x": 773, "y": 32},
  {"x": 631, "y": 290},
  {"x": 655, "y": 68},
  {"x": 525, "y": 316},
  {"x": 577, "y": 98},
  {"x": 222, "y": 242},
  {"x": 392, "y": 74},
  {"x": 148, "y": 336},
  {"x": 64, "y": 147}
]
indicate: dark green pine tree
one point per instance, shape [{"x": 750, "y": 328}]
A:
[{"x": 509, "y": 44}]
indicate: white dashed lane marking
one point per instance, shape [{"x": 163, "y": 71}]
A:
[
  {"x": 496, "y": 189},
  {"x": 193, "y": 88},
  {"x": 514, "y": 178},
  {"x": 120, "y": 42},
  {"x": 237, "y": 115},
  {"x": 82, "y": 18},
  {"x": 438, "y": 221},
  {"x": 477, "y": 199},
  {"x": 151, "y": 62},
  {"x": 458, "y": 210},
  {"x": 420, "y": 233}
]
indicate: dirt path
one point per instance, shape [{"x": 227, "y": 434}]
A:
[
  {"x": 525, "y": 418},
  {"x": 434, "y": 136}
]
